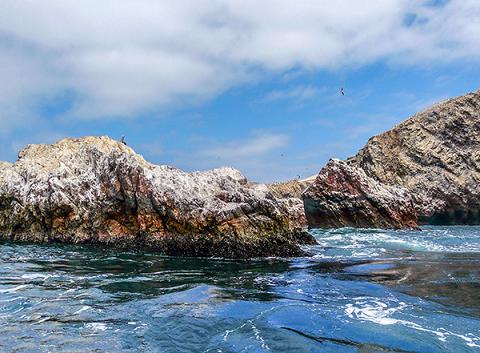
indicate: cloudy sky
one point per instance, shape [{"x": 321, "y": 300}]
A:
[{"x": 251, "y": 84}]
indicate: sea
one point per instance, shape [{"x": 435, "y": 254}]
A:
[{"x": 362, "y": 290}]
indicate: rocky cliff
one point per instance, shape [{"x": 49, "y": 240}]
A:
[
  {"x": 436, "y": 155},
  {"x": 427, "y": 167},
  {"x": 344, "y": 196},
  {"x": 97, "y": 190}
]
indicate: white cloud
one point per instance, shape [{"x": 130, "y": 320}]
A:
[
  {"x": 125, "y": 57},
  {"x": 262, "y": 156},
  {"x": 22, "y": 82},
  {"x": 257, "y": 146}
]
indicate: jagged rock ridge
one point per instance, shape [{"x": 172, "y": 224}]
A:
[
  {"x": 97, "y": 190},
  {"x": 436, "y": 155},
  {"x": 433, "y": 158}
]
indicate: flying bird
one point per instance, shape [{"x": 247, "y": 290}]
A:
[{"x": 342, "y": 91}]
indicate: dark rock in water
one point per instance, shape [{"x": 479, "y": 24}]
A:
[
  {"x": 344, "y": 196},
  {"x": 436, "y": 155},
  {"x": 97, "y": 190}
]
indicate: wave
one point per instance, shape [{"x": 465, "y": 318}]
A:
[{"x": 375, "y": 243}]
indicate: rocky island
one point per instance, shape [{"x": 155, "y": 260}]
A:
[
  {"x": 424, "y": 170},
  {"x": 96, "y": 190},
  {"x": 436, "y": 156}
]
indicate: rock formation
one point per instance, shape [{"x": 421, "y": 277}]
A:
[
  {"x": 436, "y": 155},
  {"x": 97, "y": 190},
  {"x": 432, "y": 159},
  {"x": 292, "y": 188},
  {"x": 344, "y": 196}
]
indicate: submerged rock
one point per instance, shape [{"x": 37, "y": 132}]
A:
[
  {"x": 97, "y": 190},
  {"x": 344, "y": 196},
  {"x": 436, "y": 155}
]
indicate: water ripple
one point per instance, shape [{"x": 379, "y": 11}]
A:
[{"x": 363, "y": 290}]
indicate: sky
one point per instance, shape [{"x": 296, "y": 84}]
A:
[{"x": 250, "y": 84}]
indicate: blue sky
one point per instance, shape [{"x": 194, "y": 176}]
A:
[{"x": 252, "y": 86}]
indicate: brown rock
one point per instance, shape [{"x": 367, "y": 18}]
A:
[
  {"x": 97, "y": 190},
  {"x": 436, "y": 155},
  {"x": 344, "y": 196}
]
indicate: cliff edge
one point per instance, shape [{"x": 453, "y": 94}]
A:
[{"x": 435, "y": 154}]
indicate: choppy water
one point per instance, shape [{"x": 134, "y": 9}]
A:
[{"x": 362, "y": 291}]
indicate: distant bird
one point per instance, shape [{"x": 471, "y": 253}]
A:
[
  {"x": 122, "y": 140},
  {"x": 281, "y": 155},
  {"x": 342, "y": 91}
]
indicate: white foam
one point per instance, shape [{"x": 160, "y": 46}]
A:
[
  {"x": 34, "y": 275},
  {"x": 97, "y": 326},
  {"x": 378, "y": 312},
  {"x": 43, "y": 320},
  {"x": 374, "y": 311},
  {"x": 372, "y": 243},
  {"x": 14, "y": 289},
  {"x": 82, "y": 309}
]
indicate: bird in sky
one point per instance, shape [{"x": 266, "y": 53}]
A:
[{"x": 342, "y": 91}]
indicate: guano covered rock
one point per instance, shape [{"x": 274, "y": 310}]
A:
[{"x": 97, "y": 190}]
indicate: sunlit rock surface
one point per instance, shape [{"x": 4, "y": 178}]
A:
[
  {"x": 344, "y": 196},
  {"x": 97, "y": 190},
  {"x": 436, "y": 155}
]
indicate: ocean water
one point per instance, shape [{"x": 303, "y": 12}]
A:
[{"x": 361, "y": 291}]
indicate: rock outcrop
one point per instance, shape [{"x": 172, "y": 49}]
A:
[
  {"x": 436, "y": 155},
  {"x": 291, "y": 188},
  {"x": 430, "y": 161},
  {"x": 97, "y": 190},
  {"x": 344, "y": 196}
]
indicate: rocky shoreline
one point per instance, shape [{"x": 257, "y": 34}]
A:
[{"x": 99, "y": 191}]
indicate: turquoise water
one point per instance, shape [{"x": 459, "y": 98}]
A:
[{"x": 362, "y": 291}]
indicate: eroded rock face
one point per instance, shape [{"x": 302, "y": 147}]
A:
[
  {"x": 436, "y": 155},
  {"x": 291, "y": 188},
  {"x": 344, "y": 196},
  {"x": 97, "y": 190}
]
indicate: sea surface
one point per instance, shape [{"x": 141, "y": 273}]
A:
[{"x": 362, "y": 291}]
